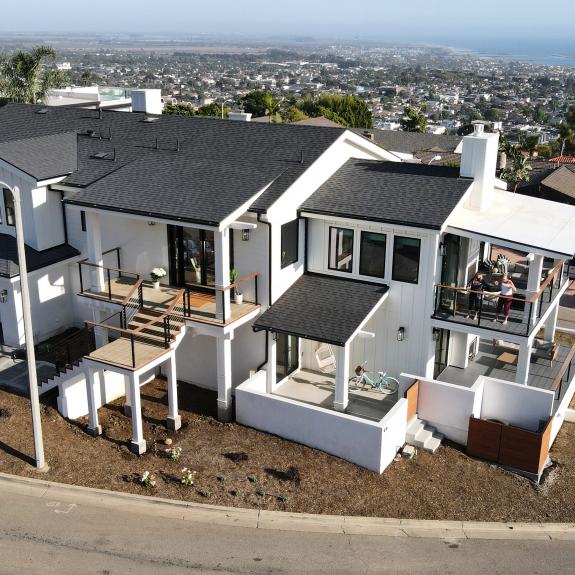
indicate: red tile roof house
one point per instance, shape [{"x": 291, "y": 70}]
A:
[{"x": 342, "y": 255}]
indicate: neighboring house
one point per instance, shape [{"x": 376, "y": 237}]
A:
[{"x": 344, "y": 256}]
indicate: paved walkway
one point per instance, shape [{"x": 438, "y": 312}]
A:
[{"x": 48, "y": 528}]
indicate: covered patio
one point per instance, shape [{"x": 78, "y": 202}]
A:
[{"x": 330, "y": 311}]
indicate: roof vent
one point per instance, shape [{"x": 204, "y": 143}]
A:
[
  {"x": 104, "y": 155},
  {"x": 42, "y": 111},
  {"x": 150, "y": 119}
]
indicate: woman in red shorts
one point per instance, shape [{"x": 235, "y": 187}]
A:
[{"x": 506, "y": 297}]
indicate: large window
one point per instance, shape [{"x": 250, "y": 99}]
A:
[
  {"x": 372, "y": 254},
  {"x": 340, "y": 249},
  {"x": 406, "y": 259},
  {"x": 290, "y": 240},
  {"x": 9, "y": 206}
]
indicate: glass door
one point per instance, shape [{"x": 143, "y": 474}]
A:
[
  {"x": 192, "y": 256},
  {"x": 449, "y": 269},
  {"x": 441, "y": 351},
  {"x": 287, "y": 355}
]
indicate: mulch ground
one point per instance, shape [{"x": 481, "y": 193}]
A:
[{"x": 237, "y": 466}]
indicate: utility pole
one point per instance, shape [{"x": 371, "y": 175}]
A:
[{"x": 28, "y": 333}]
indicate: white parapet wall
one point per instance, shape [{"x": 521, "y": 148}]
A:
[
  {"x": 563, "y": 413},
  {"x": 370, "y": 444},
  {"x": 72, "y": 396}
]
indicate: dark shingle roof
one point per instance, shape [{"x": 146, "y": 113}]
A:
[
  {"x": 412, "y": 142},
  {"x": 322, "y": 308},
  {"x": 392, "y": 192},
  {"x": 561, "y": 180},
  {"x": 34, "y": 259},
  {"x": 256, "y": 146},
  {"x": 42, "y": 157}
]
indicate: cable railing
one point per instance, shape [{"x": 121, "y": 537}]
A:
[
  {"x": 564, "y": 375},
  {"x": 220, "y": 314},
  {"x": 483, "y": 308},
  {"x": 115, "y": 283}
]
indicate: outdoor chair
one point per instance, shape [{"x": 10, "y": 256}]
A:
[{"x": 325, "y": 358}]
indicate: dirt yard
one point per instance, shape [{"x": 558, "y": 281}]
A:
[{"x": 237, "y": 466}]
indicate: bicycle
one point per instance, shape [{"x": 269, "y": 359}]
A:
[{"x": 382, "y": 382}]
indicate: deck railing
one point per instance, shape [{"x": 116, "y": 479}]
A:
[
  {"x": 88, "y": 269},
  {"x": 564, "y": 375},
  {"x": 525, "y": 311},
  {"x": 220, "y": 294}
]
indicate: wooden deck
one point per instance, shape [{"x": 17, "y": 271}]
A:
[
  {"x": 118, "y": 353},
  {"x": 203, "y": 305}
]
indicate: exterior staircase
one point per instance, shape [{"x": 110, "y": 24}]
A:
[
  {"x": 156, "y": 331},
  {"x": 421, "y": 434}
]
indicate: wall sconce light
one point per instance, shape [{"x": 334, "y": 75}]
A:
[
  {"x": 436, "y": 333},
  {"x": 3, "y": 296},
  {"x": 401, "y": 334},
  {"x": 274, "y": 335},
  {"x": 151, "y": 223},
  {"x": 246, "y": 235}
]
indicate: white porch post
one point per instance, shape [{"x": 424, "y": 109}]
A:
[
  {"x": 127, "y": 401},
  {"x": 550, "y": 324},
  {"x": 224, "y": 369},
  {"x": 533, "y": 282},
  {"x": 100, "y": 334},
  {"x": 174, "y": 421},
  {"x": 94, "y": 427},
  {"x": 271, "y": 368},
  {"x": 94, "y": 248},
  {"x": 138, "y": 443},
  {"x": 222, "y": 249},
  {"x": 341, "y": 378},
  {"x": 523, "y": 361}
]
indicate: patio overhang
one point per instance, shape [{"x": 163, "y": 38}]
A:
[
  {"x": 324, "y": 308},
  {"x": 520, "y": 222}
]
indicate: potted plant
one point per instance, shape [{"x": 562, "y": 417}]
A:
[
  {"x": 238, "y": 295},
  {"x": 157, "y": 274}
]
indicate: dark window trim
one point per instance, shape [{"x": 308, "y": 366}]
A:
[
  {"x": 83, "y": 220},
  {"x": 10, "y": 215},
  {"x": 291, "y": 262},
  {"x": 335, "y": 269},
  {"x": 384, "y": 254},
  {"x": 418, "y": 240}
]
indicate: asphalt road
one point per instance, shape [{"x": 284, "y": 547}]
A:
[{"x": 73, "y": 534}]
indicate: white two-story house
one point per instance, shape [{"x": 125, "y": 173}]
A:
[{"x": 341, "y": 256}]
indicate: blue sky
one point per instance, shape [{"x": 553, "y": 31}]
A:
[{"x": 416, "y": 20}]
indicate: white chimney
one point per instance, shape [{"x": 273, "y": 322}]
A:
[
  {"x": 479, "y": 161},
  {"x": 148, "y": 101},
  {"x": 240, "y": 116}
]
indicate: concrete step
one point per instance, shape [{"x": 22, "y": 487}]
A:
[
  {"x": 432, "y": 444},
  {"x": 421, "y": 434}
]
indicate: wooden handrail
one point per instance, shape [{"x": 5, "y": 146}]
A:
[
  {"x": 564, "y": 368},
  {"x": 87, "y": 263},
  {"x": 132, "y": 291},
  {"x": 113, "y": 328},
  {"x": 550, "y": 277},
  {"x": 229, "y": 287}
]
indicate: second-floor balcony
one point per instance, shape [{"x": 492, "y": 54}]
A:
[{"x": 204, "y": 304}]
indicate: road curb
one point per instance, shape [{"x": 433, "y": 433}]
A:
[{"x": 72, "y": 495}]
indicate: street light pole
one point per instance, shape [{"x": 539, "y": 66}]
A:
[
  {"x": 223, "y": 104},
  {"x": 28, "y": 333}
]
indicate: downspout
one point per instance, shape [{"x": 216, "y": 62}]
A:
[
  {"x": 65, "y": 221},
  {"x": 268, "y": 224}
]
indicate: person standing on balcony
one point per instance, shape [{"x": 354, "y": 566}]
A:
[
  {"x": 506, "y": 297},
  {"x": 476, "y": 286}
]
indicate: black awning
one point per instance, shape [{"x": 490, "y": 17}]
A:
[{"x": 323, "y": 308}]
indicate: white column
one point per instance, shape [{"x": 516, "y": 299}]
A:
[
  {"x": 341, "y": 378},
  {"x": 222, "y": 249},
  {"x": 224, "y": 370},
  {"x": 94, "y": 249},
  {"x": 138, "y": 443},
  {"x": 93, "y": 392},
  {"x": 533, "y": 283},
  {"x": 101, "y": 334},
  {"x": 127, "y": 404},
  {"x": 271, "y": 368},
  {"x": 550, "y": 324},
  {"x": 174, "y": 421},
  {"x": 523, "y": 361}
]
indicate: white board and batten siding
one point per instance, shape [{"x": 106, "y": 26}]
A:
[{"x": 408, "y": 305}]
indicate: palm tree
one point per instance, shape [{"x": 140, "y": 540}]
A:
[
  {"x": 518, "y": 170},
  {"x": 25, "y": 78}
]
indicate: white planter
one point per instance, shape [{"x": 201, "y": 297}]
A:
[
  {"x": 239, "y": 298},
  {"x": 156, "y": 285}
]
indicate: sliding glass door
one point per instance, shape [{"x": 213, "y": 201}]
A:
[
  {"x": 192, "y": 256},
  {"x": 287, "y": 355}
]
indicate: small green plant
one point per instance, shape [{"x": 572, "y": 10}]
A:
[
  {"x": 188, "y": 477},
  {"x": 148, "y": 480},
  {"x": 174, "y": 453}
]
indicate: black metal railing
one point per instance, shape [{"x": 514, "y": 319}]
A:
[
  {"x": 219, "y": 298},
  {"x": 564, "y": 375},
  {"x": 109, "y": 291}
]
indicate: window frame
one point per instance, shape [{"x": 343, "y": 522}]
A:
[
  {"x": 377, "y": 233},
  {"x": 397, "y": 237},
  {"x": 285, "y": 264},
  {"x": 329, "y": 266},
  {"x": 83, "y": 220}
]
